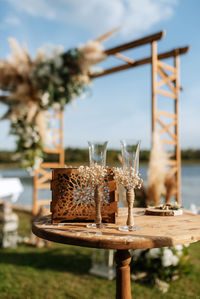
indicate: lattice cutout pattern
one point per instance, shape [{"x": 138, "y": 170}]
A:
[{"x": 72, "y": 199}]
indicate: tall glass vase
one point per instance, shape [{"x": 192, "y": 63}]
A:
[
  {"x": 130, "y": 150},
  {"x": 97, "y": 156}
]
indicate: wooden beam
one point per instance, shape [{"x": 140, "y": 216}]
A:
[
  {"x": 173, "y": 171},
  {"x": 124, "y": 58},
  {"x": 165, "y": 80},
  {"x": 166, "y": 93},
  {"x": 172, "y": 162},
  {"x": 43, "y": 202},
  {"x": 143, "y": 61},
  {"x": 177, "y": 148},
  {"x": 166, "y": 66},
  {"x": 170, "y": 142},
  {"x": 52, "y": 150},
  {"x": 136, "y": 43},
  {"x": 43, "y": 186},
  {"x": 50, "y": 165},
  {"x": 166, "y": 77},
  {"x": 166, "y": 114},
  {"x": 154, "y": 83},
  {"x": 166, "y": 128}
]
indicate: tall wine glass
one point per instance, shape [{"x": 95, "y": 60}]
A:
[
  {"x": 97, "y": 156},
  {"x": 130, "y": 150}
]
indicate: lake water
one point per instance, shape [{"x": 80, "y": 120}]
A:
[{"x": 190, "y": 183}]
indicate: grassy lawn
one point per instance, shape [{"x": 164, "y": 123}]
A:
[{"x": 61, "y": 271}]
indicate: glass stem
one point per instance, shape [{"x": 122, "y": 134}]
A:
[
  {"x": 130, "y": 196},
  {"x": 97, "y": 196}
]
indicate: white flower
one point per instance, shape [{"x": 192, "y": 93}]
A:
[
  {"x": 153, "y": 253},
  {"x": 186, "y": 245},
  {"x": 43, "y": 71},
  {"x": 28, "y": 143},
  {"x": 95, "y": 175},
  {"x": 175, "y": 260},
  {"x": 45, "y": 98},
  {"x": 128, "y": 179},
  {"x": 58, "y": 62},
  {"x": 167, "y": 257},
  {"x": 178, "y": 247},
  {"x": 36, "y": 138}
]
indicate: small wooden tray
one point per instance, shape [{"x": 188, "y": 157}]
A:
[{"x": 158, "y": 212}]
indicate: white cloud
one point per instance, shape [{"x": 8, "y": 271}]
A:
[
  {"x": 9, "y": 21},
  {"x": 136, "y": 16},
  {"x": 12, "y": 20}
]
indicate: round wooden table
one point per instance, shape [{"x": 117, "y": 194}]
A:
[{"x": 156, "y": 231}]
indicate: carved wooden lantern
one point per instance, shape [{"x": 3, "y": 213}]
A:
[{"x": 73, "y": 199}]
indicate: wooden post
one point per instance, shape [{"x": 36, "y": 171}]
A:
[
  {"x": 154, "y": 82},
  {"x": 130, "y": 197},
  {"x": 123, "y": 280},
  {"x": 177, "y": 147},
  {"x": 42, "y": 174},
  {"x": 97, "y": 197},
  {"x": 62, "y": 152},
  {"x": 34, "y": 208}
]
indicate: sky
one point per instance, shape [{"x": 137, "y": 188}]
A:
[{"x": 119, "y": 105}]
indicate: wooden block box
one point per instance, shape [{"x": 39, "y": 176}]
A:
[{"x": 73, "y": 200}]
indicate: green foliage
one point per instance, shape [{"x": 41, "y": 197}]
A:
[
  {"x": 190, "y": 154},
  {"x": 159, "y": 263},
  {"x": 73, "y": 155},
  {"x": 29, "y": 145},
  {"x": 81, "y": 156},
  {"x": 58, "y": 78}
]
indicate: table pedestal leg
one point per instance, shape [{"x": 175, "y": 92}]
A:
[{"x": 123, "y": 280}]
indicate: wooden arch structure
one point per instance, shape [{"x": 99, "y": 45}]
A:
[{"x": 165, "y": 86}]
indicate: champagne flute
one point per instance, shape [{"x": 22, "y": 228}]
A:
[{"x": 130, "y": 150}]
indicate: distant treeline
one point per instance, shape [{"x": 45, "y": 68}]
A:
[
  {"x": 112, "y": 157},
  {"x": 77, "y": 155}
]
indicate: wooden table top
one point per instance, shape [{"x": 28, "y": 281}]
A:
[{"x": 156, "y": 231}]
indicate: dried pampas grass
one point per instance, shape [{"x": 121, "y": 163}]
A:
[
  {"x": 158, "y": 168},
  {"x": 91, "y": 54},
  {"x": 170, "y": 186}
]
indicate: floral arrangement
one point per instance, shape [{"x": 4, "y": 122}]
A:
[
  {"x": 128, "y": 179},
  {"x": 95, "y": 175},
  {"x": 32, "y": 86},
  {"x": 160, "y": 266}
]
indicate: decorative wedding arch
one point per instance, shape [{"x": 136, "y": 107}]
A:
[{"x": 165, "y": 123}]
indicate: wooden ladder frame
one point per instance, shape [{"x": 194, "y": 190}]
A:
[
  {"x": 42, "y": 174},
  {"x": 164, "y": 122},
  {"x": 171, "y": 81}
]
